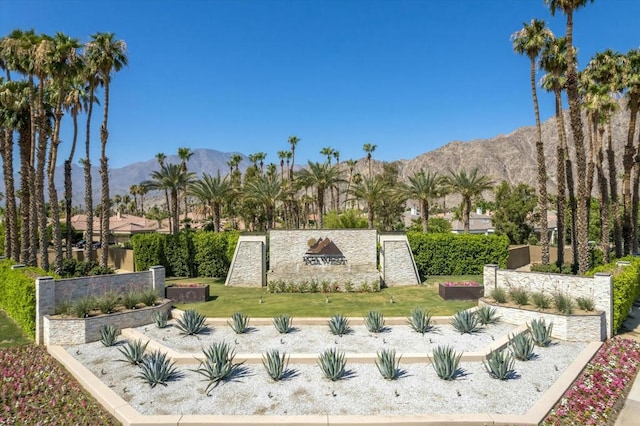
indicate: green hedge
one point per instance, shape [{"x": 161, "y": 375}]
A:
[
  {"x": 626, "y": 287},
  {"x": 205, "y": 254},
  {"x": 18, "y": 294},
  {"x": 457, "y": 254}
]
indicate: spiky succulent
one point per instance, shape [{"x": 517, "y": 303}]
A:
[
  {"x": 374, "y": 321},
  {"x": 332, "y": 363},
  {"x": 218, "y": 364},
  {"x": 282, "y": 323},
  {"x": 388, "y": 364},
  {"x": 275, "y": 363},
  {"x": 420, "y": 320},
  {"x": 521, "y": 346},
  {"x": 445, "y": 362},
  {"x": 108, "y": 335},
  {"x": 339, "y": 325},
  {"x": 487, "y": 315},
  {"x": 160, "y": 318},
  {"x": 466, "y": 322},
  {"x": 499, "y": 365},
  {"x": 239, "y": 322},
  {"x": 156, "y": 369},
  {"x": 134, "y": 351},
  {"x": 191, "y": 322},
  {"x": 541, "y": 332}
]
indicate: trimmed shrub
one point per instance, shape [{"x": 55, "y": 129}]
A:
[{"x": 457, "y": 254}]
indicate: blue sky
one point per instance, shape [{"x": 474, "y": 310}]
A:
[{"x": 244, "y": 75}]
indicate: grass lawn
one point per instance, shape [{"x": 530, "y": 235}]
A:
[
  {"x": 224, "y": 301},
  {"x": 10, "y": 333}
]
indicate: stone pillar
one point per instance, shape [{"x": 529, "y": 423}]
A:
[
  {"x": 158, "y": 279},
  {"x": 396, "y": 259},
  {"x": 603, "y": 284},
  {"x": 45, "y": 303},
  {"x": 490, "y": 279},
  {"x": 249, "y": 265}
]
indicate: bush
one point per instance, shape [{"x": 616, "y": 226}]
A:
[{"x": 457, "y": 254}]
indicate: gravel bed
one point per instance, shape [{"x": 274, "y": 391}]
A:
[
  {"x": 317, "y": 338},
  {"x": 307, "y": 392}
]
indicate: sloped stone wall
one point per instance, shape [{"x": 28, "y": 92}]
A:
[{"x": 396, "y": 261}]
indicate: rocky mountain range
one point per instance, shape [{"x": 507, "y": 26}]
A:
[{"x": 509, "y": 157}]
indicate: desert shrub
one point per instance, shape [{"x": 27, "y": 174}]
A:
[
  {"x": 563, "y": 302},
  {"x": 585, "y": 303},
  {"x": 107, "y": 302},
  {"x": 541, "y": 300},
  {"x": 214, "y": 252},
  {"x": 519, "y": 295},
  {"x": 81, "y": 307},
  {"x": 499, "y": 295}
]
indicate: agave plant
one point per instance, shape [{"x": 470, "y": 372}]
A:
[
  {"x": 521, "y": 346},
  {"x": 134, "y": 352},
  {"x": 239, "y": 322},
  {"x": 466, "y": 322},
  {"x": 487, "y": 315},
  {"x": 191, "y": 322},
  {"x": 374, "y": 321},
  {"x": 275, "y": 363},
  {"x": 339, "y": 325},
  {"x": 332, "y": 364},
  {"x": 388, "y": 364},
  {"x": 420, "y": 320},
  {"x": 282, "y": 323},
  {"x": 160, "y": 318},
  {"x": 108, "y": 335},
  {"x": 156, "y": 369},
  {"x": 218, "y": 364},
  {"x": 445, "y": 362},
  {"x": 541, "y": 332},
  {"x": 500, "y": 364}
]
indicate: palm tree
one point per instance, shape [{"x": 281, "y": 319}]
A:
[
  {"x": 328, "y": 152},
  {"x": 185, "y": 155},
  {"x": 567, "y": 7},
  {"x": 293, "y": 141},
  {"x": 424, "y": 187},
  {"x": 530, "y": 41},
  {"x": 170, "y": 178},
  {"x": 469, "y": 186},
  {"x": 351, "y": 164},
  {"x": 322, "y": 177},
  {"x": 282, "y": 155},
  {"x": 369, "y": 148},
  {"x": 371, "y": 191},
  {"x": 554, "y": 61},
  {"x": 213, "y": 192},
  {"x": 265, "y": 191},
  {"x": 631, "y": 81},
  {"x": 161, "y": 157},
  {"x": 105, "y": 55}
]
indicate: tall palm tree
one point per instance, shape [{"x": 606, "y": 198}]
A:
[
  {"x": 368, "y": 148},
  {"x": 567, "y": 7},
  {"x": 293, "y": 141},
  {"x": 170, "y": 178},
  {"x": 106, "y": 55},
  {"x": 631, "y": 82},
  {"x": 530, "y": 41},
  {"x": 423, "y": 187},
  {"x": 161, "y": 157},
  {"x": 265, "y": 191},
  {"x": 469, "y": 186},
  {"x": 327, "y": 151},
  {"x": 351, "y": 164},
  {"x": 321, "y": 176},
  {"x": 554, "y": 61},
  {"x": 281, "y": 156},
  {"x": 185, "y": 155},
  {"x": 371, "y": 191},
  {"x": 213, "y": 191}
]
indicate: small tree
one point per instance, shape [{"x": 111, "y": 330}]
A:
[{"x": 514, "y": 211}]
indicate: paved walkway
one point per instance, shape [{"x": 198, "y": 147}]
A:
[{"x": 630, "y": 414}]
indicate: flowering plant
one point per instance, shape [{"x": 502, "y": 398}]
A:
[
  {"x": 460, "y": 284},
  {"x": 592, "y": 397},
  {"x": 190, "y": 285}
]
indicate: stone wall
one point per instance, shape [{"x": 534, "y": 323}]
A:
[
  {"x": 599, "y": 287},
  {"x": 248, "y": 266},
  {"x": 396, "y": 261},
  {"x": 50, "y": 293},
  {"x": 287, "y": 249}
]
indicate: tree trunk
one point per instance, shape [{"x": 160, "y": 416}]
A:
[
  {"x": 628, "y": 159},
  {"x": 104, "y": 175},
  {"x": 320, "y": 220},
  {"x": 11, "y": 248},
  {"x": 174, "y": 208},
  {"x": 88, "y": 191},
  {"x": 53, "y": 192},
  {"x": 68, "y": 185},
  {"x": 32, "y": 257},
  {"x": 603, "y": 187},
  {"x": 561, "y": 153},
  {"x": 613, "y": 191},
  {"x": 466, "y": 211},
  {"x": 25, "y": 194},
  {"x": 41, "y": 158}
]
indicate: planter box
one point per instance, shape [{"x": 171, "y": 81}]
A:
[
  {"x": 461, "y": 293},
  {"x": 183, "y": 294}
]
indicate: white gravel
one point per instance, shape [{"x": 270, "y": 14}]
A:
[{"x": 307, "y": 392}]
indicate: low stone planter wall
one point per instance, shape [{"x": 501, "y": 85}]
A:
[
  {"x": 575, "y": 328},
  {"x": 460, "y": 292},
  {"x": 186, "y": 294},
  {"x": 73, "y": 331}
]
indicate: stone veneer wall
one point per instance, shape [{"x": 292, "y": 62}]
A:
[
  {"x": 248, "y": 266},
  {"x": 396, "y": 261},
  {"x": 599, "y": 287},
  {"x": 50, "y": 293},
  {"x": 74, "y": 331},
  {"x": 287, "y": 247},
  {"x": 575, "y": 328}
]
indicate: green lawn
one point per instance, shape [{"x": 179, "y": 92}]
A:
[
  {"x": 10, "y": 333},
  {"x": 224, "y": 301}
]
